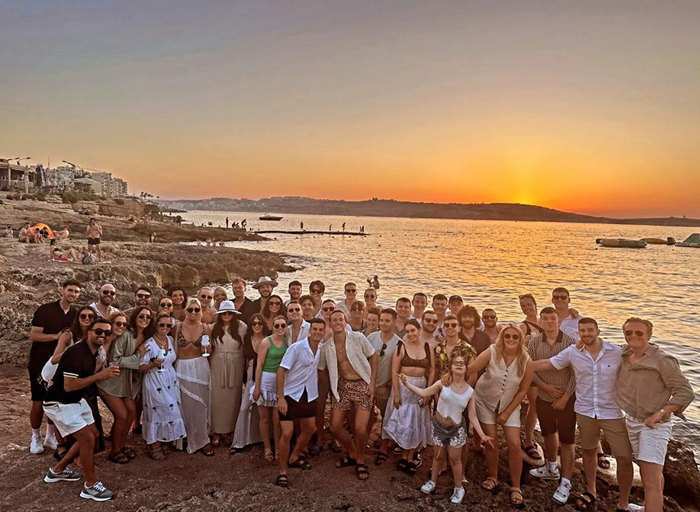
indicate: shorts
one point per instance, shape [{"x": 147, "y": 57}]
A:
[
  {"x": 93, "y": 241},
  {"x": 37, "y": 385},
  {"x": 299, "y": 410},
  {"x": 69, "y": 418},
  {"x": 487, "y": 416},
  {"x": 562, "y": 422},
  {"x": 649, "y": 444},
  {"x": 454, "y": 436},
  {"x": 615, "y": 434},
  {"x": 352, "y": 393}
]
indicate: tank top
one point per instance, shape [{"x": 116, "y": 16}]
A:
[
  {"x": 274, "y": 356},
  {"x": 499, "y": 384},
  {"x": 452, "y": 404},
  {"x": 408, "y": 361}
]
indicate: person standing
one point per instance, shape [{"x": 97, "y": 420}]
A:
[
  {"x": 103, "y": 305},
  {"x": 142, "y": 298},
  {"x": 240, "y": 301},
  {"x": 65, "y": 405},
  {"x": 555, "y": 403},
  {"x": 350, "y": 299},
  {"x": 265, "y": 285},
  {"x": 48, "y": 321},
  {"x": 650, "y": 387},
  {"x": 419, "y": 303},
  {"x": 298, "y": 328},
  {"x": 94, "y": 236},
  {"x": 297, "y": 389},
  {"x": 596, "y": 364},
  {"x": 490, "y": 320},
  {"x": 308, "y": 310},
  {"x": 568, "y": 318},
  {"x": 428, "y": 328},
  {"x": 403, "y": 314},
  {"x": 206, "y": 296},
  {"x": 316, "y": 290},
  {"x": 294, "y": 288},
  {"x": 179, "y": 297},
  {"x": 469, "y": 322}
]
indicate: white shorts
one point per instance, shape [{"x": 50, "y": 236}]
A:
[
  {"x": 649, "y": 444},
  {"x": 488, "y": 416},
  {"x": 69, "y": 418}
]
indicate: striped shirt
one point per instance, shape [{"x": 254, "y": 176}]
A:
[{"x": 537, "y": 349}]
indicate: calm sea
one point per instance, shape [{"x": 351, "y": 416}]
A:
[{"x": 489, "y": 263}]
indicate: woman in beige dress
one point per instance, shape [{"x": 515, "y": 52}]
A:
[{"x": 227, "y": 365}]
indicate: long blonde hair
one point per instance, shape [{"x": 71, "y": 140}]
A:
[{"x": 500, "y": 347}]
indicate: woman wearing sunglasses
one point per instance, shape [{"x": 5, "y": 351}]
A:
[
  {"x": 226, "y": 365},
  {"x": 166, "y": 306},
  {"x": 272, "y": 308},
  {"x": 270, "y": 354},
  {"x": 141, "y": 327},
  {"x": 120, "y": 393},
  {"x": 248, "y": 425},
  {"x": 162, "y": 417},
  {"x": 499, "y": 393},
  {"x": 194, "y": 377}
]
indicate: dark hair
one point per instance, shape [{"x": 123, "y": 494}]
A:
[
  {"x": 293, "y": 283},
  {"x": 328, "y": 300},
  {"x": 428, "y": 312},
  {"x": 450, "y": 317},
  {"x": 389, "y": 311},
  {"x": 144, "y": 288},
  {"x": 469, "y": 311},
  {"x": 217, "y": 331},
  {"x": 588, "y": 320},
  {"x": 266, "y": 310},
  {"x": 76, "y": 330},
  {"x": 412, "y": 322},
  {"x": 338, "y": 311},
  {"x": 317, "y": 321},
  {"x": 305, "y": 298},
  {"x": 528, "y": 296},
  {"x": 439, "y": 296},
  {"x": 98, "y": 320},
  {"x": 374, "y": 311},
  {"x": 561, "y": 289},
  {"x": 248, "y": 351},
  {"x": 403, "y": 299},
  {"x": 420, "y": 294},
  {"x": 317, "y": 284},
  {"x": 177, "y": 288},
  {"x": 548, "y": 310},
  {"x": 149, "y": 330},
  {"x": 456, "y": 297},
  {"x": 70, "y": 282}
]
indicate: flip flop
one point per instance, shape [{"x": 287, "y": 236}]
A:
[
  {"x": 362, "y": 472},
  {"x": 381, "y": 459},
  {"x": 282, "y": 481},
  {"x": 584, "y": 501},
  {"x": 603, "y": 462},
  {"x": 300, "y": 463},
  {"x": 345, "y": 462}
]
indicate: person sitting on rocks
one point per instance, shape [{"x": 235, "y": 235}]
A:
[
  {"x": 27, "y": 236},
  {"x": 9, "y": 233},
  {"x": 62, "y": 234}
]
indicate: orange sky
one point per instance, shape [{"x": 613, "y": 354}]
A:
[{"x": 586, "y": 107}]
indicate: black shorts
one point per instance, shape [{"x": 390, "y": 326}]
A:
[
  {"x": 37, "y": 386},
  {"x": 93, "y": 241},
  {"x": 562, "y": 422},
  {"x": 299, "y": 410}
]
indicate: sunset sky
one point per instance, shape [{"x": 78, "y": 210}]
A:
[{"x": 587, "y": 106}]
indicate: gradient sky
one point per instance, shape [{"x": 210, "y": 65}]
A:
[{"x": 588, "y": 106}]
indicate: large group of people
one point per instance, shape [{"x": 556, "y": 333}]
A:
[{"x": 196, "y": 373}]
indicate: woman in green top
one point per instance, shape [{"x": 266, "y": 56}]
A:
[{"x": 270, "y": 355}]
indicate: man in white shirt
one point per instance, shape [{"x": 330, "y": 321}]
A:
[
  {"x": 350, "y": 299},
  {"x": 596, "y": 364},
  {"x": 297, "y": 388},
  {"x": 419, "y": 303},
  {"x": 568, "y": 318},
  {"x": 352, "y": 368},
  {"x": 103, "y": 305},
  {"x": 298, "y": 328}
]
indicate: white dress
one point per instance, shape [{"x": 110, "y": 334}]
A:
[
  {"x": 162, "y": 419},
  {"x": 248, "y": 425}
]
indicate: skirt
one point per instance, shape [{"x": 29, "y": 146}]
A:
[
  {"x": 248, "y": 424},
  {"x": 409, "y": 425},
  {"x": 193, "y": 376}
]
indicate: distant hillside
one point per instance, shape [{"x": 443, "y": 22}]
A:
[{"x": 391, "y": 208}]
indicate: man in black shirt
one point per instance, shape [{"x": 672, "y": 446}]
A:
[
  {"x": 48, "y": 321},
  {"x": 265, "y": 285},
  {"x": 469, "y": 321},
  {"x": 240, "y": 301},
  {"x": 65, "y": 405}
]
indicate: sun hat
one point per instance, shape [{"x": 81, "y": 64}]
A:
[
  {"x": 265, "y": 280},
  {"x": 227, "y": 306}
]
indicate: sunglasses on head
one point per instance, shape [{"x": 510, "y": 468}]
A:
[
  {"x": 193, "y": 310},
  {"x": 280, "y": 326},
  {"x": 630, "y": 332},
  {"x": 143, "y": 295},
  {"x": 507, "y": 336},
  {"x": 109, "y": 292},
  {"x": 163, "y": 324},
  {"x": 102, "y": 332},
  {"x": 86, "y": 316},
  {"x": 120, "y": 324},
  {"x": 144, "y": 317}
]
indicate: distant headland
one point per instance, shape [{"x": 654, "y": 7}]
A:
[{"x": 390, "y": 208}]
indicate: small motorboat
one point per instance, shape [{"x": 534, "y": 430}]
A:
[
  {"x": 267, "y": 216},
  {"x": 627, "y": 243},
  {"x": 692, "y": 241},
  {"x": 660, "y": 241}
]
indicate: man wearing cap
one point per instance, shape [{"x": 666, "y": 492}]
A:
[
  {"x": 103, "y": 305},
  {"x": 456, "y": 303},
  {"x": 265, "y": 285}
]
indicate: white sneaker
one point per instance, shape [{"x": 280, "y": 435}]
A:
[
  {"x": 544, "y": 473},
  {"x": 50, "y": 442},
  {"x": 35, "y": 446},
  {"x": 561, "y": 495},
  {"x": 457, "y": 496},
  {"x": 97, "y": 492},
  {"x": 633, "y": 507},
  {"x": 428, "y": 487}
]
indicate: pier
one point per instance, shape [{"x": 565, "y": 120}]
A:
[{"x": 308, "y": 232}]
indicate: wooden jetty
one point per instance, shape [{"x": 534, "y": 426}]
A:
[{"x": 308, "y": 232}]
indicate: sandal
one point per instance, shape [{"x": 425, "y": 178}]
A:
[
  {"x": 334, "y": 447},
  {"x": 315, "y": 449},
  {"x": 490, "y": 484},
  {"x": 155, "y": 453},
  {"x": 603, "y": 462},
  {"x": 516, "y": 497},
  {"x": 233, "y": 450},
  {"x": 129, "y": 452},
  {"x": 345, "y": 462},
  {"x": 362, "y": 472},
  {"x": 402, "y": 464},
  {"x": 300, "y": 463},
  {"x": 381, "y": 459},
  {"x": 282, "y": 481},
  {"x": 532, "y": 451},
  {"x": 411, "y": 468},
  {"x": 119, "y": 458},
  {"x": 585, "y": 501},
  {"x": 216, "y": 441},
  {"x": 268, "y": 456},
  {"x": 207, "y": 450}
]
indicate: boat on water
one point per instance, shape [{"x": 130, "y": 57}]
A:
[
  {"x": 267, "y": 216},
  {"x": 692, "y": 241},
  {"x": 660, "y": 241},
  {"x": 621, "y": 243}
]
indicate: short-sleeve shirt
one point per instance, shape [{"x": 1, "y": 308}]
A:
[
  {"x": 384, "y": 364},
  {"x": 480, "y": 341},
  {"x": 301, "y": 365},
  {"x": 77, "y": 361},
  {"x": 358, "y": 350},
  {"x": 53, "y": 320},
  {"x": 442, "y": 359}
]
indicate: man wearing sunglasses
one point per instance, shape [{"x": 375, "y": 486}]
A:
[
  {"x": 428, "y": 333},
  {"x": 142, "y": 298},
  {"x": 350, "y": 298},
  {"x": 103, "y": 305},
  {"x": 316, "y": 290},
  {"x": 650, "y": 387},
  {"x": 298, "y": 328},
  {"x": 568, "y": 317},
  {"x": 554, "y": 404},
  {"x": 48, "y": 321},
  {"x": 66, "y": 406}
]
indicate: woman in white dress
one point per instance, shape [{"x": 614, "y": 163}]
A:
[{"x": 162, "y": 419}]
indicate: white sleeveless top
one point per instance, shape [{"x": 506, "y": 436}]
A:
[
  {"x": 496, "y": 388},
  {"x": 452, "y": 404}
]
